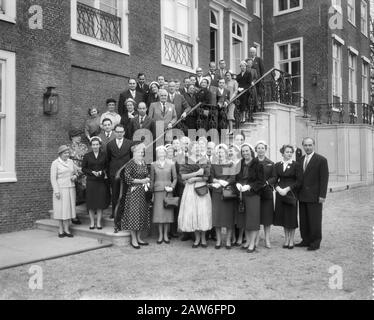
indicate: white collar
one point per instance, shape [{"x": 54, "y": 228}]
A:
[
  {"x": 287, "y": 162},
  {"x": 309, "y": 156}
]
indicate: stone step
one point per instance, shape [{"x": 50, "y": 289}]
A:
[
  {"x": 85, "y": 218},
  {"x": 106, "y": 234}
]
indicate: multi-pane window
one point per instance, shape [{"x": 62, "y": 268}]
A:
[
  {"x": 351, "y": 11},
  {"x": 237, "y": 34},
  {"x": 179, "y": 32},
  {"x": 7, "y": 116},
  {"x": 101, "y": 22},
  {"x": 241, "y": 2},
  {"x": 8, "y": 10},
  {"x": 337, "y": 4},
  {"x": 337, "y": 81},
  {"x": 257, "y": 8},
  {"x": 289, "y": 58},
  {"x": 365, "y": 82},
  {"x": 352, "y": 80},
  {"x": 364, "y": 17},
  {"x": 285, "y": 6},
  {"x": 214, "y": 35}
]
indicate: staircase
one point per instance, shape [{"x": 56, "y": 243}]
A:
[{"x": 106, "y": 234}]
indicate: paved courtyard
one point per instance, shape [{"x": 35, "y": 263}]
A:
[{"x": 176, "y": 271}]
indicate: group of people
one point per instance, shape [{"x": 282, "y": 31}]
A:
[{"x": 197, "y": 188}]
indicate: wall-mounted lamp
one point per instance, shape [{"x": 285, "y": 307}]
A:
[
  {"x": 314, "y": 79},
  {"x": 50, "y": 101}
]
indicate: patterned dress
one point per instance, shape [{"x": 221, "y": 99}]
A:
[{"x": 134, "y": 207}]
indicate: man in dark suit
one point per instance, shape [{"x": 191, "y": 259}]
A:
[
  {"x": 258, "y": 63},
  {"x": 141, "y": 85},
  {"x": 118, "y": 153},
  {"x": 130, "y": 93},
  {"x": 312, "y": 195},
  {"x": 141, "y": 121},
  {"x": 107, "y": 134},
  {"x": 212, "y": 74},
  {"x": 221, "y": 72},
  {"x": 179, "y": 102}
]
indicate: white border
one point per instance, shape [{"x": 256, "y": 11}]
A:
[
  {"x": 99, "y": 43},
  {"x": 276, "y": 58},
  {"x": 366, "y": 59},
  {"x": 255, "y": 13},
  {"x": 367, "y": 19},
  {"x": 8, "y": 134},
  {"x": 234, "y": 16},
  {"x": 276, "y": 11},
  {"x": 10, "y": 11},
  {"x": 242, "y": 4},
  {"x": 353, "y": 50},
  {"x": 338, "y": 39},
  {"x": 354, "y": 15},
  {"x": 219, "y": 10}
]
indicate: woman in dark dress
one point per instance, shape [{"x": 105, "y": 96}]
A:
[
  {"x": 267, "y": 197},
  {"x": 249, "y": 182},
  {"x": 94, "y": 166},
  {"x": 134, "y": 205},
  {"x": 153, "y": 94},
  {"x": 129, "y": 115},
  {"x": 244, "y": 81},
  {"x": 288, "y": 179},
  {"x": 190, "y": 97},
  {"x": 203, "y": 96},
  {"x": 223, "y": 211}
]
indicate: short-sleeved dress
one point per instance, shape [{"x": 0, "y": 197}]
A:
[{"x": 134, "y": 207}]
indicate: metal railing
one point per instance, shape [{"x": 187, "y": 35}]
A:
[
  {"x": 178, "y": 51},
  {"x": 98, "y": 24}
]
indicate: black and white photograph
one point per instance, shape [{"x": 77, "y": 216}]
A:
[{"x": 156, "y": 151}]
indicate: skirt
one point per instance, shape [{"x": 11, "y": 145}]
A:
[
  {"x": 285, "y": 214},
  {"x": 161, "y": 214},
  {"x": 64, "y": 208},
  {"x": 223, "y": 211},
  {"x": 267, "y": 212},
  {"x": 195, "y": 212},
  {"x": 97, "y": 195},
  {"x": 231, "y": 112},
  {"x": 250, "y": 219}
]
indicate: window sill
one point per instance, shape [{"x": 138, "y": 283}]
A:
[
  {"x": 352, "y": 23},
  {"x": 4, "y": 17},
  {"x": 99, "y": 43},
  {"x": 243, "y": 5},
  {"x": 177, "y": 66},
  {"x": 365, "y": 34},
  {"x": 8, "y": 177},
  {"x": 280, "y": 13}
]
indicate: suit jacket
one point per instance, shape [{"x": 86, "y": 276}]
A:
[
  {"x": 222, "y": 98},
  {"x": 139, "y": 97},
  {"x": 292, "y": 177},
  {"x": 213, "y": 78},
  {"x": 180, "y": 104},
  {"x": 315, "y": 179},
  {"x": 254, "y": 177},
  {"x": 105, "y": 140},
  {"x": 90, "y": 163},
  {"x": 244, "y": 81},
  {"x": 221, "y": 75},
  {"x": 148, "y": 124},
  {"x": 190, "y": 99},
  {"x": 269, "y": 175},
  {"x": 143, "y": 90},
  {"x": 118, "y": 157},
  {"x": 258, "y": 64},
  {"x": 163, "y": 177},
  {"x": 155, "y": 113}
]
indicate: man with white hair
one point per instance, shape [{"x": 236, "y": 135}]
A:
[
  {"x": 163, "y": 110},
  {"x": 257, "y": 62}
]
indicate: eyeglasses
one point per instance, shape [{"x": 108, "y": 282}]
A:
[{"x": 119, "y": 131}]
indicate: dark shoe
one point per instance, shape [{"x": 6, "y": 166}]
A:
[
  {"x": 111, "y": 216},
  {"x": 312, "y": 248},
  {"x": 61, "y": 235},
  {"x": 91, "y": 228},
  {"x": 204, "y": 245},
  {"x": 251, "y": 250},
  {"x": 228, "y": 247},
  {"x": 285, "y": 247},
  {"x": 160, "y": 241},
  {"x": 218, "y": 247},
  {"x": 237, "y": 244},
  {"x": 167, "y": 241},
  {"x": 302, "y": 244},
  {"x": 135, "y": 247},
  {"x": 69, "y": 235},
  {"x": 290, "y": 247},
  {"x": 76, "y": 221},
  {"x": 115, "y": 230},
  {"x": 99, "y": 228},
  {"x": 173, "y": 235},
  {"x": 143, "y": 243},
  {"x": 244, "y": 248},
  {"x": 194, "y": 246}
]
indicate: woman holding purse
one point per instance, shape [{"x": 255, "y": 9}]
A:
[
  {"x": 288, "y": 179},
  {"x": 223, "y": 209},
  {"x": 163, "y": 182},
  {"x": 94, "y": 166},
  {"x": 195, "y": 213}
]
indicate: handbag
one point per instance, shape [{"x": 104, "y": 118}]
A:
[
  {"x": 228, "y": 193},
  {"x": 201, "y": 189},
  {"x": 241, "y": 208},
  {"x": 171, "y": 202},
  {"x": 289, "y": 199}
]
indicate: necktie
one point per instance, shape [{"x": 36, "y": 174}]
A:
[
  {"x": 306, "y": 162},
  {"x": 163, "y": 109},
  {"x": 141, "y": 122},
  {"x": 107, "y": 134}
]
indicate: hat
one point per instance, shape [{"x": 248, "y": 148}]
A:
[
  {"x": 131, "y": 100},
  {"x": 75, "y": 132},
  {"x": 110, "y": 100},
  {"x": 156, "y": 83},
  {"x": 62, "y": 149}
]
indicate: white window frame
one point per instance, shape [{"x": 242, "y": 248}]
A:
[
  {"x": 124, "y": 14},
  {"x": 193, "y": 40},
  {"x": 340, "y": 72},
  {"x": 337, "y": 5},
  {"x": 352, "y": 91},
  {"x": 236, "y": 18},
  {"x": 353, "y": 7},
  {"x": 364, "y": 26},
  {"x": 219, "y": 11},
  {"x": 365, "y": 94},
  {"x": 9, "y": 7},
  {"x": 242, "y": 3},
  {"x": 277, "y": 12},
  {"x": 257, "y": 8},
  {"x": 8, "y": 118},
  {"x": 258, "y": 49},
  {"x": 277, "y": 58}
]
